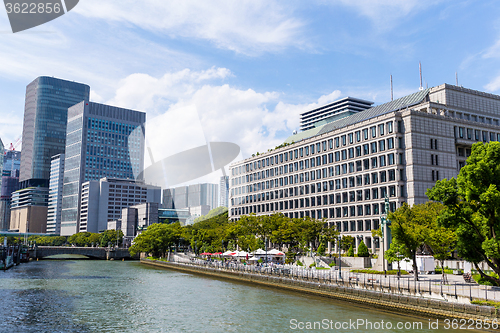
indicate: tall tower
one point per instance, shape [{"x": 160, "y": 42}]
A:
[
  {"x": 224, "y": 191},
  {"x": 102, "y": 141},
  {"x": 44, "y": 128}
]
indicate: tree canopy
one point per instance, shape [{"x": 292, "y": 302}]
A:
[{"x": 472, "y": 202}]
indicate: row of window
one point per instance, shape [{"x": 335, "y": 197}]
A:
[
  {"x": 343, "y": 140},
  {"x": 337, "y": 170},
  {"x": 337, "y": 198},
  {"x": 339, "y": 212},
  {"x": 475, "y": 135}
]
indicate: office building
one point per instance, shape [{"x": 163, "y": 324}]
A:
[
  {"x": 44, "y": 128},
  {"x": 333, "y": 111},
  {"x": 29, "y": 210},
  {"x": 343, "y": 171},
  {"x": 102, "y": 141},
  {"x": 191, "y": 196},
  {"x": 9, "y": 184},
  {"x": 104, "y": 200},
  {"x": 224, "y": 191},
  {"x": 55, "y": 194}
]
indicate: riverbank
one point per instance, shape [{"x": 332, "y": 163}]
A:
[{"x": 382, "y": 300}]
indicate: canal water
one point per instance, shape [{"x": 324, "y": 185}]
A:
[{"x": 115, "y": 296}]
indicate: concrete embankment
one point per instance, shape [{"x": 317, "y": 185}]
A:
[{"x": 382, "y": 300}]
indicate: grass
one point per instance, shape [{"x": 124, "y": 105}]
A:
[
  {"x": 322, "y": 268},
  {"x": 486, "y": 303},
  {"x": 480, "y": 280},
  {"x": 446, "y": 271},
  {"x": 371, "y": 271}
]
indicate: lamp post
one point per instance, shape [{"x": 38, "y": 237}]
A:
[
  {"x": 340, "y": 260},
  {"x": 385, "y": 238},
  {"x": 265, "y": 246}
]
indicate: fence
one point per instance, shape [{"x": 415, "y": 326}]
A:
[{"x": 427, "y": 286}]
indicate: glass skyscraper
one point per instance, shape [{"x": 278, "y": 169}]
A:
[
  {"x": 10, "y": 183},
  {"x": 44, "y": 128},
  {"x": 102, "y": 141}
]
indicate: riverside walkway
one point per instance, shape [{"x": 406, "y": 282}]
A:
[{"x": 456, "y": 290}]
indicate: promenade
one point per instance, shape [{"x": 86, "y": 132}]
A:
[{"x": 456, "y": 290}]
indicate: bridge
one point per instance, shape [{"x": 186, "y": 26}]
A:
[{"x": 40, "y": 252}]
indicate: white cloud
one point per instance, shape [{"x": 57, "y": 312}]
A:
[
  {"x": 386, "y": 14},
  {"x": 256, "y": 121},
  {"x": 249, "y": 27},
  {"x": 493, "y": 85}
]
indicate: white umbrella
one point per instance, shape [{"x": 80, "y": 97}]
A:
[
  {"x": 260, "y": 251},
  {"x": 275, "y": 252}
]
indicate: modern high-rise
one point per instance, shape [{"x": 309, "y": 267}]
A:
[
  {"x": 55, "y": 194},
  {"x": 343, "y": 171},
  {"x": 191, "y": 196},
  {"x": 44, "y": 128},
  {"x": 339, "y": 109},
  {"x": 10, "y": 183},
  {"x": 224, "y": 191},
  {"x": 104, "y": 200},
  {"x": 102, "y": 141}
]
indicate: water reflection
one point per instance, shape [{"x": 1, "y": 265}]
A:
[{"x": 104, "y": 296}]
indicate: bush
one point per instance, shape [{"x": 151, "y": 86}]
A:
[
  {"x": 486, "y": 303},
  {"x": 332, "y": 264},
  {"x": 322, "y": 268},
  {"x": 350, "y": 253},
  {"x": 299, "y": 263},
  {"x": 371, "y": 271},
  {"x": 480, "y": 280},
  {"x": 363, "y": 250},
  {"x": 312, "y": 265},
  {"x": 321, "y": 250}
]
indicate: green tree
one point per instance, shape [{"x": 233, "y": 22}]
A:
[
  {"x": 363, "y": 250},
  {"x": 409, "y": 226},
  {"x": 110, "y": 237},
  {"x": 472, "y": 202},
  {"x": 346, "y": 242},
  {"x": 395, "y": 254},
  {"x": 156, "y": 239},
  {"x": 442, "y": 242},
  {"x": 350, "y": 252}
]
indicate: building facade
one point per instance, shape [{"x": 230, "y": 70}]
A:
[
  {"x": 29, "y": 210},
  {"x": 344, "y": 170},
  {"x": 102, "y": 141},
  {"x": 45, "y": 118},
  {"x": 55, "y": 194},
  {"x": 339, "y": 109},
  {"x": 191, "y": 196},
  {"x": 224, "y": 191},
  {"x": 10, "y": 183},
  {"x": 104, "y": 200}
]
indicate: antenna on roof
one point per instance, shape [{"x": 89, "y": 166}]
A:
[
  {"x": 456, "y": 78},
  {"x": 392, "y": 98},
  {"x": 420, "y": 70}
]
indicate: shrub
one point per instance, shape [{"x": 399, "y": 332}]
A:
[
  {"x": 480, "y": 280},
  {"x": 332, "y": 264},
  {"x": 299, "y": 263},
  {"x": 312, "y": 265},
  {"x": 321, "y": 250},
  {"x": 371, "y": 271},
  {"x": 350, "y": 253},
  {"x": 363, "y": 250}
]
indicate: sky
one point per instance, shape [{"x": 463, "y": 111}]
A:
[{"x": 243, "y": 71}]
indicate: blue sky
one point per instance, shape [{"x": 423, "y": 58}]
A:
[{"x": 243, "y": 71}]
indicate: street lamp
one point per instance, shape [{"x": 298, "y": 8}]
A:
[
  {"x": 340, "y": 260},
  {"x": 385, "y": 238}
]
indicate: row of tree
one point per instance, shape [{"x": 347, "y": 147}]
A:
[
  {"x": 78, "y": 239},
  {"x": 464, "y": 216},
  {"x": 217, "y": 234}
]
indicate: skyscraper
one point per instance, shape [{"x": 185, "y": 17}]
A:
[
  {"x": 44, "y": 128},
  {"x": 102, "y": 141},
  {"x": 55, "y": 194},
  {"x": 191, "y": 196},
  {"x": 224, "y": 191},
  {"x": 10, "y": 183}
]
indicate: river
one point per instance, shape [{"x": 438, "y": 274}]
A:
[{"x": 115, "y": 296}]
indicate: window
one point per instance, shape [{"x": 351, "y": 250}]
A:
[
  {"x": 367, "y": 179},
  {"x": 330, "y": 144},
  {"x": 390, "y": 143},
  {"x": 392, "y": 175},
  {"x": 337, "y": 143},
  {"x": 337, "y": 156},
  {"x": 374, "y": 162},
  {"x": 366, "y": 164},
  {"x": 344, "y": 140},
  {"x": 351, "y": 152},
  {"x": 366, "y": 149},
  {"x": 383, "y": 176},
  {"x": 392, "y": 191},
  {"x": 381, "y": 145},
  {"x": 389, "y": 127},
  {"x": 367, "y": 194},
  {"x": 382, "y": 161},
  {"x": 374, "y": 193},
  {"x": 373, "y": 129},
  {"x": 351, "y": 138},
  {"x": 358, "y": 151},
  {"x": 381, "y": 129},
  {"x": 374, "y": 178},
  {"x": 390, "y": 158},
  {"x": 477, "y": 134},
  {"x": 358, "y": 136},
  {"x": 365, "y": 133},
  {"x": 344, "y": 154},
  {"x": 373, "y": 147}
]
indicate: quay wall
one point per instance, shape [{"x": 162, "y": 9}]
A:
[{"x": 382, "y": 300}]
